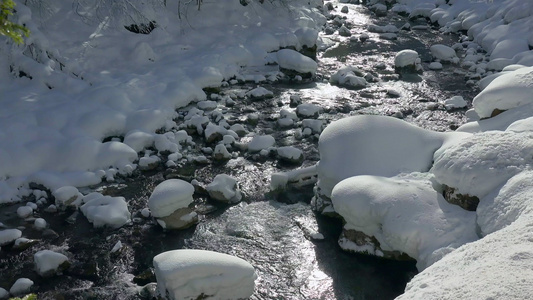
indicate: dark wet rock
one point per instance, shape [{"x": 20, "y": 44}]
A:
[
  {"x": 329, "y": 30},
  {"x": 344, "y": 9},
  {"x": 50, "y": 234},
  {"x": 145, "y": 277},
  {"x": 309, "y": 51},
  {"x": 149, "y": 291},
  {"x": 358, "y": 242},
  {"x": 295, "y": 100},
  {"x": 329, "y": 6},
  {"x": 344, "y": 31},
  {"x": 22, "y": 244},
  {"x": 85, "y": 270},
  {"x": 467, "y": 202},
  {"x": 73, "y": 217}
]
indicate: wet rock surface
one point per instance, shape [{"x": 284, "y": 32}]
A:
[{"x": 279, "y": 239}]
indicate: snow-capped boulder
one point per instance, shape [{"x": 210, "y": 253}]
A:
[
  {"x": 290, "y": 154},
  {"x": 221, "y": 153},
  {"x": 261, "y": 142},
  {"x": 259, "y": 93},
  {"x": 21, "y": 286},
  {"x": 194, "y": 274},
  {"x": 169, "y": 204},
  {"x": 49, "y": 263},
  {"x": 481, "y": 163},
  {"x": 67, "y": 196},
  {"x": 507, "y": 91},
  {"x": 292, "y": 62},
  {"x": 349, "y": 76},
  {"x": 106, "y": 210},
  {"x": 407, "y": 61},
  {"x": 8, "y": 236},
  {"x": 455, "y": 102},
  {"x": 403, "y": 214},
  {"x": 444, "y": 53},
  {"x": 308, "y": 110},
  {"x": 224, "y": 188},
  {"x": 373, "y": 145}
]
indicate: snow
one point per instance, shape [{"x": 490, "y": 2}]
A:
[
  {"x": 404, "y": 213},
  {"x": 260, "y": 142},
  {"x": 98, "y": 80},
  {"x": 444, "y": 53},
  {"x": 187, "y": 274},
  {"x": 21, "y": 286},
  {"x": 116, "y": 247},
  {"x": 347, "y": 76},
  {"x": 498, "y": 266},
  {"x": 455, "y": 102},
  {"x": 169, "y": 196},
  {"x": 106, "y": 211},
  {"x": 407, "y": 58},
  {"x": 292, "y": 60},
  {"x": 24, "y": 211},
  {"x": 507, "y": 91},
  {"x": 290, "y": 153},
  {"x": 374, "y": 145},
  {"x": 67, "y": 195},
  {"x": 47, "y": 261},
  {"x": 40, "y": 223},
  {"x": 224, "y": 188},
  {"x": 479, "y": 164},
  {"x": 259, "y": 93},
  {"x": 8, "y": 236},
  {"x": 308, "y": 110}
]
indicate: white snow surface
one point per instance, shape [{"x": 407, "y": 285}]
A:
[
  {"x": 477, "y": 165},
  {"x": 186, "y": 274},
  {"x": 406, "y": 58},
  {"x": 260, "y": 142},
  {"x": 169, "y": 196},
  {"x": 507, "y": 91},
  {"x": 224, "y": 188},
  {"x": 21, "y": 286},
  {"x": 375, "y": 145},
  {"x": 498, "y": 266},
  {"x": 48, "y": 261},
  {"x": 404, "y": 213},
  {"x": 8, "y": 236},
  {"x": 293, "y": 60},
  {"x": 92, "y": 79},
  {"x": 444, "y": 53}
]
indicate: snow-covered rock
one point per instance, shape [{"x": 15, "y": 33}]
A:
[
  {"x": 308, "y": 110},
  {"x": 349, "y": 76},
  {"x": 24, "y": 211},
  {"x": 373, "y": 145},
  {"x": 290, "y": 154},
  {"x": 507, "y": 91},
  {"x": 8, "y": 236},
  {"x": 407, "y": 60},
  {"x": 190, "y": 274},
  {"x": 404, "y": 214},
  {"x": 260, "y": 93},
  {"x": 106, "y": 210},
  {"x": 290, "y": 60},
  {"x": 261, "y": 142},
  {"x": 169, "y": 204},
  {"x": 67, "y": 196},
  {"x": 21, "y": 286},
  {"x": 479, "y": 164},
  {"x": 49, "y": 263},
  {"x": 455, "y": 102},
  {"x": 224, "y": 188},
  {"x": 444, "y": 53}
]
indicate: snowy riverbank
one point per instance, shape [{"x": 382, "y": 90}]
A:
[{"x": 86, "y": 101}]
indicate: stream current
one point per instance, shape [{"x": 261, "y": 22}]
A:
[{"x": 275, "y": 234}]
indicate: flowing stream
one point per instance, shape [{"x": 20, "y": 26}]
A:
[{"x": 275, "y": 234}]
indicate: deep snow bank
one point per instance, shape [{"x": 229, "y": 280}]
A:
[{"x": 82, "y": 82}]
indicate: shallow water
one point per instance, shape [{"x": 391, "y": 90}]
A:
[{"x": 275, "y": 237}]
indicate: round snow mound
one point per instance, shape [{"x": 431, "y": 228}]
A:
[{"x": 187, "y": 274}]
